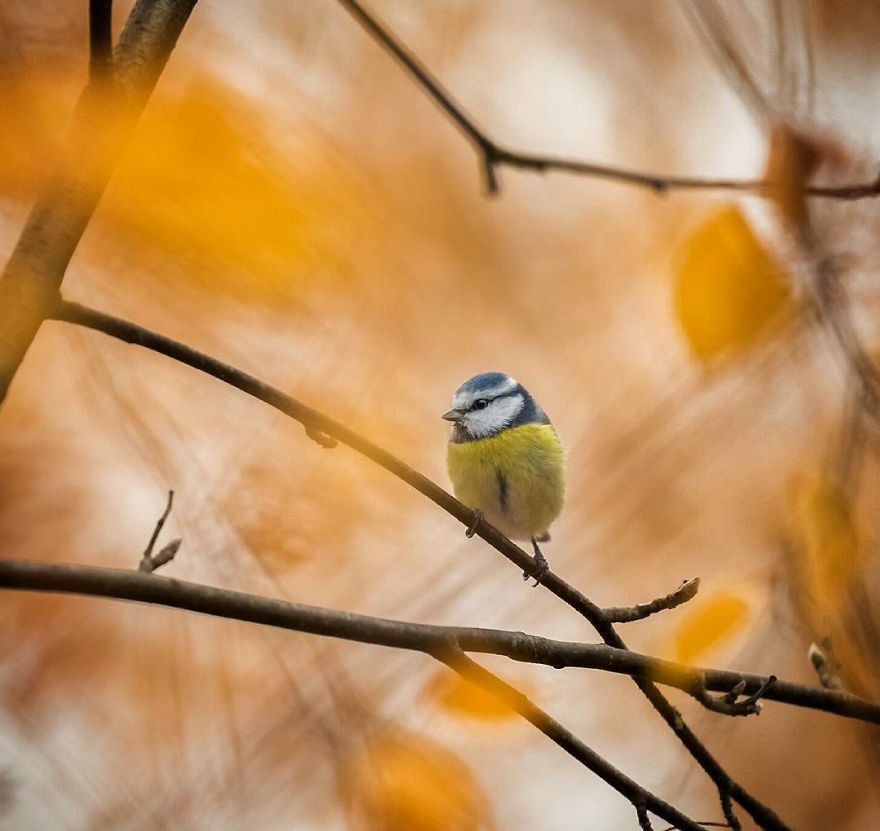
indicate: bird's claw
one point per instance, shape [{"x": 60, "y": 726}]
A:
[
  {"x": 475, "y": 522},
  {"x": 542, "y": 567}
]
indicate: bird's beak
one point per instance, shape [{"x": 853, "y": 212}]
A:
[{"x": 453, "y": 415}]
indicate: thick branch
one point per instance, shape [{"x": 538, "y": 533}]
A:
[
  {"x": 421, "y": 637},
  {"x": 315, "y": 421},
  {"x": 493, "y": 156},
  {"x": 102, "y": 122},
  {"x": 437, "y": 641}
]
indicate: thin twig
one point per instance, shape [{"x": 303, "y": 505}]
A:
[
  {"x": 149, "y": 563},
  {"x": 626, "y": 614},
  {"x": 129, "y": 332},
  {"x": 730, "y": 703},
  {"x": 493, "y": 155}
]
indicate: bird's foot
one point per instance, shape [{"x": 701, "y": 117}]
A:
[
  {"x": 542, "y": 567},
  {"x": 475, "y": 523}
]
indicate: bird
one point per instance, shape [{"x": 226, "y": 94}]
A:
[{"x": 505, "y": 461}]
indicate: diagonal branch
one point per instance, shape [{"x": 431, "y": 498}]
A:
[
  {"x": 315, "y": 421},
  {"x": 102, "y": 121},
  {"x": 435, "y": 641},
  {"x": 494, "y": 156},
  {"x": 422, "y": 637}
]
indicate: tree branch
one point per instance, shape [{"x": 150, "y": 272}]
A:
[
  {"x": 437, "y": 641},
  {"x": 422, "y": 637},
  {"x": 641, "y": 799},
  {"x": 314, "y": 420},
  {"x": 102, "y": 121},
  {"x": 493, "y": 156}
]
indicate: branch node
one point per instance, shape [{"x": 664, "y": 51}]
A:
[{"x": 729, "y": 704}]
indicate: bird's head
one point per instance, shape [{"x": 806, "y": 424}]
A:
[{"x": 489, "y": 403}]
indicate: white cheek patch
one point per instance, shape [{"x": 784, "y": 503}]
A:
[{"x": 498, "y": 415}]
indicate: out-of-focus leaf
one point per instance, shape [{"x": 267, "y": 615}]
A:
[
  {"x": 464, "y": 699},
  {"x": 729, "y": 287},
  {"x": 404, "y": 782},
  {"x": 828, "y": 549},
  {"x": 208, "y": 180},
  {"x": 707, "y": 623}
]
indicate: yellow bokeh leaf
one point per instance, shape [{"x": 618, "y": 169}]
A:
[
  {"x": 828, "y": 550},
  {"x": 403, "y": 782},
  {"x": 464, "y": 699},
  {"x": 729, "y": 287},
  {"x": 248, "y": 210},
  {"x": 707, "y": 623}
]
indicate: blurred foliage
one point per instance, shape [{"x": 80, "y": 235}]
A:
[
  {"x": 707, "y": 622},
  {"x": 463, "y": 699},
  {"x": 729, "y": 287},
  {"x": 410, "y": 783}
]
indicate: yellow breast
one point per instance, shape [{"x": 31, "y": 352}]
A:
[{"x": 516, "y": 478}]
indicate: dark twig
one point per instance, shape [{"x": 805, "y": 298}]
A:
[
  {"x": 493, "y": 156},
  {"x": 100, "y": 40},
  {"x": 132, "y": 333},
  {"x": 626, "y": 614},
  {"x": 419, "y": 637},
  {"x": 150, "y": 563},
  {"x": 644, "y": 819},
  {"x": 730, "y": 704}
]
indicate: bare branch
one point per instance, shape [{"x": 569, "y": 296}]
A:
[
  {"x": 312, "y": 419},
  {"x": 493, "y": 155},
  {"x": 422, "y": 637},
  {"x": 626, "y": 614},
  {"x": 438, "y": 642},
  {"x": 101, "y": 124},
  {"x": 150, "y": 563},
  {"x": 635, "y": 793}
]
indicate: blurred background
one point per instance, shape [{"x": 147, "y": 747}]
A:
[{"x": 294, "y": 205}]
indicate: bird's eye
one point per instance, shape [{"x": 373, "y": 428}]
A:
[{"x": 480, "y": 404}]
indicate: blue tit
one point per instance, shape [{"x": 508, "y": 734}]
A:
[{"x": 505, "y": 459}]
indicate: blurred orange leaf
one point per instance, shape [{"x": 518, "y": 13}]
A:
[
  {"x": 208, "y": 180},
  {"x": 404, "y": 782},
  {"x": 464, "y": 699},
  {"x": 707, "y": 623},
  {"x": 828, "y": 551},
  {"x": 729, "y": 287}
]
